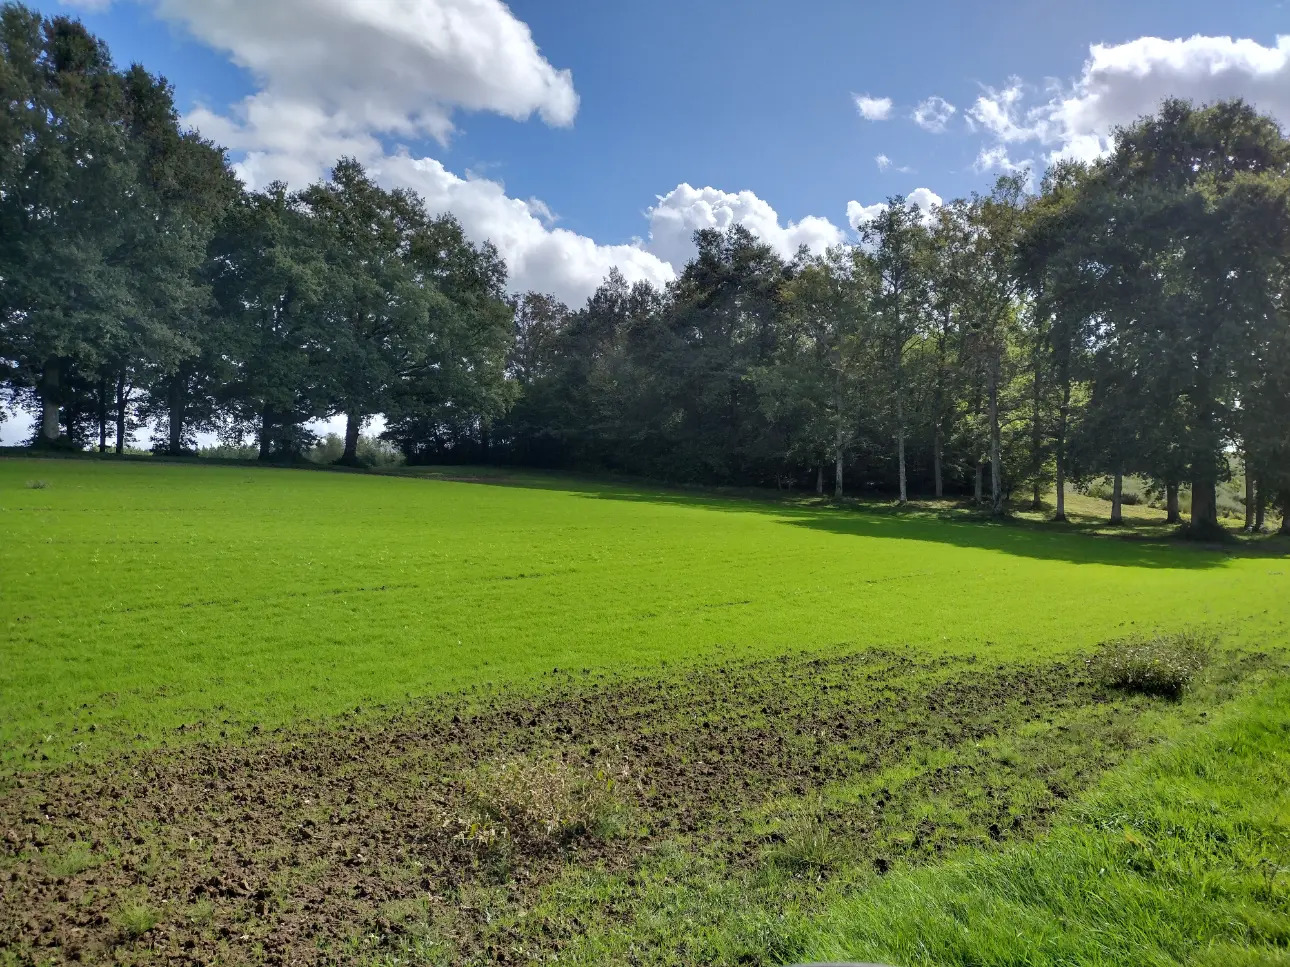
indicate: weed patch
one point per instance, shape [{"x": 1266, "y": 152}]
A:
[
  {"x": 1165, "y": 665},
  {"x": 544, "y": 802}
]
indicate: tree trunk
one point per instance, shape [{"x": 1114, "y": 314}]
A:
[
  {"x": 1063, "y": 416},
  {"x": 996, "y": 457},
  {"x": 977, "y": 484},
  {"x": 353, "y": 425},
  {"x": 1204, "y": 507},
  {"x": 1260, "y": 509},
  {"x": 1117, "y": 499},
  {"x": 819, "y": 480},
  {"x": 1285, "y": 513},
  {"x": 49, "y": 393},
  {"x": 837, "y": 473},
  {"x": 937, "y": 473},
  {"x": 900, "y": 448},
  {"x": 1036, "y": 438},
  {"x": 175, "y": 414},
  {"x": 121, "y": 400},
  {"x": 1173, "y": 515},
  {"x": 1249, "y": 497},
  {"x": 266, "y": 432},
  {"x": 102, "y": 414}
]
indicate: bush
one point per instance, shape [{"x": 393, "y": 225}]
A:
[
  {"x": 1130, "y": 499},
  {"x": 1163, "y": 665},
  {"x": 545, "y": 802}
]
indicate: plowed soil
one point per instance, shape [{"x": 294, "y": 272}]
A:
[{"x": 285, "y": 849}]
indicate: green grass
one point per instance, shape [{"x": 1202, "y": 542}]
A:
[
  {"x": 141, "y": 601},
  {"x": 1184, "y": 859}
]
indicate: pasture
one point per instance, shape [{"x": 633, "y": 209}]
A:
[{"x": 256, "y": 715}]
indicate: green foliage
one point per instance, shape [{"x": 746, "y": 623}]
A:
[
  {"x": 370, "y": 452},
  {"x": 1164, "y": 664}
]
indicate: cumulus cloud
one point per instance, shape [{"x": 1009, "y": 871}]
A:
[
  {"x": 873, "y": 108},
  {"x": 933, "y": 114},
  {"x": 883, "y": 162},
  {"x": 924, "y": 199},
  {"x": 996, "y": 159},
  {"x": 685, "y": 209},
  {"x": 1121, "y": 82},
  {"x": 387, "y": 65}
]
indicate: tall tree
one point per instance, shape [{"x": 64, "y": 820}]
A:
[{"x": 900, "y": 257}]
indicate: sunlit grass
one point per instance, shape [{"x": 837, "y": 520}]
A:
[{"x": 141, "y": 601}]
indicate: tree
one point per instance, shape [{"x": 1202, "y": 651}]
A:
[
  {"x": 456, "y": 383},
  {"x": 105, "y": 212},
  {"x": 900, "y": 257},
  {"x": 271, "y": 283},
  {"x": 992, "y": 309},
  {"x": 1200, "y": 197},
  {"x": 812, "y": 383},
  {"x": 377, "y": 310}
]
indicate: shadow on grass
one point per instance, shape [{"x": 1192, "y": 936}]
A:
[{"x": 1139, "y": 542}]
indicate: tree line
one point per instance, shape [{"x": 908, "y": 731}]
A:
[{"x": 1127, "y": 318}]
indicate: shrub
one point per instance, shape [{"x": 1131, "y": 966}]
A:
[
  {"x": 37, "y": 484},
  {"x": 544, "y": 802},
  {"x": 1161, "y": 665},
  {"x": 1130, "y": 499}
]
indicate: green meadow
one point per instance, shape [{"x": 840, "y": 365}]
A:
[
  {"x": 141, "y": 598},
  {"x": 259, "y": 715}
]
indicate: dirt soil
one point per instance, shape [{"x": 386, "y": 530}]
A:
[{"x": 284, "y": 849}]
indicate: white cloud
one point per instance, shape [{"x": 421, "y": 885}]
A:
[
  {"x": 998, "y": 112},
  {"x": 1120, "y": 83},
  {"x": 996, "y": 159},
  {"x": 685, "y": 209},
  {"x": 554, "y": 260},
  {"x": 873, "y": 108},
  {"x": 386, "y": 65},
  {"x": 883, "y": 162},
  {"x": 924, "y": 199},
  {"x": 933, "y": 114}
]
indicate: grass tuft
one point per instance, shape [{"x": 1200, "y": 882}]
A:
[
  {"x": 807, "y": 845},
  {"x": 135, "y": 918},
  {"x": 1164, "y": 665},
  {"x": 37, "y": 484},
  {"x": 542, "y": 802},
  {"x": 77, "y": 858}
]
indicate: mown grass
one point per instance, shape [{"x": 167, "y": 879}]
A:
[{"x": 148, "y": 602}]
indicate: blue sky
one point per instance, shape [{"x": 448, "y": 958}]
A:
[{"x": 580, "y": 136}]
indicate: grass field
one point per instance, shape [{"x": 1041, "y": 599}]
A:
[{"x": 259, "y": 715}]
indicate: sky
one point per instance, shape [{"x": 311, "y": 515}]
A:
[{"x": 578, "y": 136}]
